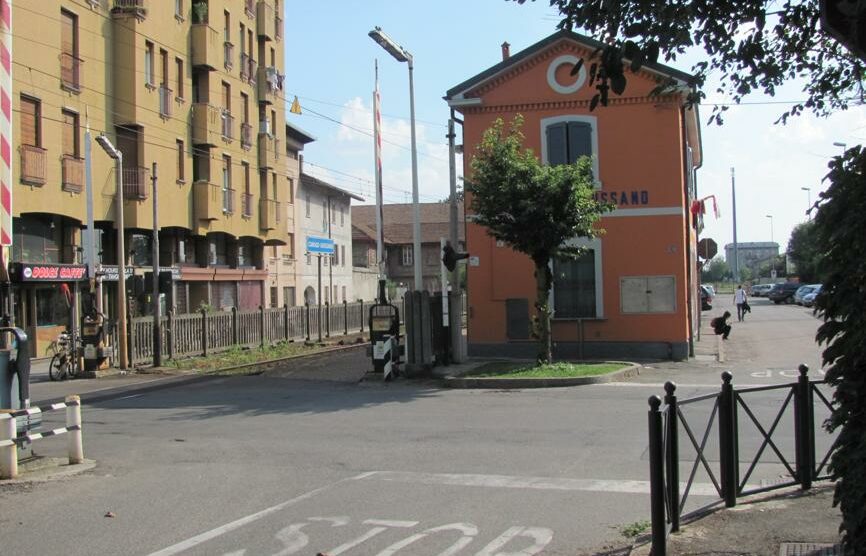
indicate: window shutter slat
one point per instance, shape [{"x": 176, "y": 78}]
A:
[{"x": 557, "y": 147}]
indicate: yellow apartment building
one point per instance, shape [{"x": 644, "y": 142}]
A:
[{"x": 191, "y": 87}]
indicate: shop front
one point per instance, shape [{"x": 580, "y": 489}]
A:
[{"x": 46, "y": 300}]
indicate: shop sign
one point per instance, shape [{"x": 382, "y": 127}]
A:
[
  {"x": 634, "y": 197},
  {"x": 27, "y": 272},
  {"x": 109, "y": 272}
]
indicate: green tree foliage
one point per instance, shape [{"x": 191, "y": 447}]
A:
[
  {"x": 753, "y": 45},
  {"x": 716, "y": 270},
  {"x": 840, "y": 234},
  {"x": 804, "y": 253},
  {"x": 533, "y": 208}
]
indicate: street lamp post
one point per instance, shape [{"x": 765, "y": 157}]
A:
[
  {"x": 840, "y": 144},
  {"x": 121, "y": 248},
  {"x": 770, "y": 216},
  {"x": 808, "y": 191},
  {"x": 402, "y": 55}
]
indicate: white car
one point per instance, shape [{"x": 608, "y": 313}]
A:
[{"x": 760, "y": 290}]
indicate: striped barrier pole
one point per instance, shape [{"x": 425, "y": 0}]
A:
[
  {"x": 8, "y": 448},
  {"x": 9, "y": 442}
]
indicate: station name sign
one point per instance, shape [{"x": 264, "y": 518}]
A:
[
  {"x": 634, "y": 197},
  {"x": 320, "y": 245},
  {"x": 27, "y": 272}
]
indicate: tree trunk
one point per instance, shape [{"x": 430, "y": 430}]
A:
[{"x": 543, "y": 281}]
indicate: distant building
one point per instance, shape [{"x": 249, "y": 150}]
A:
[
  {"x": 752, "y": 255},
  {"x": 399, "y": 241}
]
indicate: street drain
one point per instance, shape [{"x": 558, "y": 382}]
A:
[{"x": 809, "y": 549}]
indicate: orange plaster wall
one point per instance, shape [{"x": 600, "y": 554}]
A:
[{"x": 640, "y": 147}]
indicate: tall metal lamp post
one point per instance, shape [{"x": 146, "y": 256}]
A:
[
  {"x": 402, "y": 55},
  {"x": 808, "y": 191},
  {"x": 121, "y": 248},
  {"x": 770, "y": 216}
]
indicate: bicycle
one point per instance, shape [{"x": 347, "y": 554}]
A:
[{"x": 64, "y": 362}]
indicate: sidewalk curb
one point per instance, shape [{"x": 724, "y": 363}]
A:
[{"x": 491, "y": 382}]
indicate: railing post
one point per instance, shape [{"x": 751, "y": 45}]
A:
[
  {"x": 169, "y": 332},
  {"x": 262, "y": 326},
  {"x": 672, "y": 456},
  {"x": 307, "y": 319},
  {"x": 728, "y": 461},
  {"x": 286, "y": 322},
  {"x": 345, "y": 318},
  {"x": 8, "y": 454},
  {"x": 327, "y": 319},
  {"x": 235, "y": 339},
  {"x": 362, "y": 315},
  {"x": 657, "y": 478},
  {"x": 204, "y": 332},
  {"x": 75, "y": 446},
  {"x": 804, "y": 429}
]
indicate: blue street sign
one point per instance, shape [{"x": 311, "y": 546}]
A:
[{"x": 320, "y": 245}]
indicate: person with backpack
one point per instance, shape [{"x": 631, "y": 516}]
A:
[
  {"x": 720, "y": 325},
  {"x": 741, "y": 302}
]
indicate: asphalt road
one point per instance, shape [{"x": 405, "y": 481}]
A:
[{"x": 306, "y": 459}]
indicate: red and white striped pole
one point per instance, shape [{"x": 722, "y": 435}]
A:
[
  {"x": 5, "y": 155},
  {"x": 377, "y": 142}
]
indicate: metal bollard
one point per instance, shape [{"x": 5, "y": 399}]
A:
[
  {"x": 73, "y": 424},
  {"x": 804, "y": 429},
  {"x": 8, "y": 454},
  {"x": 657, "y": 478},
  {"x": 728, "y": 460},
  {"x": 672, "y": 456}
]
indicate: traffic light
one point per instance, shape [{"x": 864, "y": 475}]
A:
[{"x": 450, "y": 257}]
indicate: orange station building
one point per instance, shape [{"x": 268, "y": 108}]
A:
[{"x": 635, "y": 291}]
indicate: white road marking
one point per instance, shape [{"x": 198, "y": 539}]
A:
[
  {"x": 390, "y": 523},
  {"x": 130, "y": 397},
  {"x": 469, "y": 531},
  {"x": 353, "y": 543},
  {"x": 623, "y": 486},
  {"x": 540, "y": 535},
  {"x": 223, "y": 529}
]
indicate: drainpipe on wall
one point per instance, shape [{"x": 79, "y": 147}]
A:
[{"x": 691, "y": 283}]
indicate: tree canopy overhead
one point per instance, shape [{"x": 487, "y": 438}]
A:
[{"x": 751, "y": 46}]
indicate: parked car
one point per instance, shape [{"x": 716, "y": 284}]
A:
[
  {"x": 784, "y": 292},
  {"x": 706, "y": 298},
  {"x": 760, "y": 290},
  {"x": 802, "y": 291},
  {"x": 809, "y": 298}
]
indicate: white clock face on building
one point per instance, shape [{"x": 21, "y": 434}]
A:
[{"x": 554, "y": 66}]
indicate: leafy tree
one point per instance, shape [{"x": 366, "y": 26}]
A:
[
  {"x": 533, "y": 208},
  {"x": 840, "y": 234},
  {"x": 804, "y": 252},
  {"x": 716, "y": 270},
  {"x": 753, "y": 45}
]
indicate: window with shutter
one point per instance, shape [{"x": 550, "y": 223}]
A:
[
  {"x": 557, "y": 144},
  {"x": 574, "y": 287},
  {"x": 579, "y": 140},
  {"x": 567, "y": 138},
  {"x": 31, "y": 115},
  {"x": 70, "y": 134}
]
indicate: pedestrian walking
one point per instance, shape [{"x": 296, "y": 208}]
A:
[
  {"x": 720, "y": 325},
  {"x": 741, "y": 301}
]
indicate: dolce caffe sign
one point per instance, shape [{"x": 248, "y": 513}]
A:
[{"x": 26, "y": 272}]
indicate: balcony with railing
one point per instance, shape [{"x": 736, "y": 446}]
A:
[
  {"x": 250, "y": 8},
  {"x": 228, "y": 125},
  {"x": 166, "y": 99},
  {"x": 70, "y": 72},
  {"x": 228, "y": 54},
  {"x": 207, "y": 47},
  {"x": 229, "y": 201},
  {"x": 265, "y": 20},
  {"x": 247, "y": 205},
  {"x": 135, "y": 183},
  {"x": 125, "y": 8},
  {"x": 32, "y": 165},
  {"x": 245, "y": 66},
  {"x": 207, "y": 200},
  {"x": 207, "y": 123},
  {"x": 253, "y": 68},
  {"x": 246, "y": 135},
  {"x": 270, "y": 84},
  {"x": 268, "y": 214},
  {"x": 73, "y": 174},
  {"x": 269, "y": 151}
]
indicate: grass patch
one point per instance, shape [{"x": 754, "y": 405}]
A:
[
  {"x": 632, "y": 530},
  {"x": 242, "y": 356},
  {"x": 554, "y": 370}
]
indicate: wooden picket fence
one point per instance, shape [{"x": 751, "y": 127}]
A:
[{"x": 203, "y": 333}]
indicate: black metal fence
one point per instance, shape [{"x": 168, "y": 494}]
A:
[{"x": 668, "y": 419}]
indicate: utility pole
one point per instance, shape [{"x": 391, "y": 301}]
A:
[
  {"x": 736, "y": 267},
  {"x": 157, "y": 336}
]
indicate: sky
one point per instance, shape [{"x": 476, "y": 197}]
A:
[{"x": 330, "y": 66}]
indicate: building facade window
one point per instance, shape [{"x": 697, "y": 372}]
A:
[
  {"x": 36, "y": 239},
  {"x": 31, "y": 122},
  {"x": 70, "y": 62},
  {"x": 343, "y": 254},
  {"x": 181, "y": 162},
  {"x": 574, "y": 287},
  {"x": 227, "y": 182},
  {"x": 564, "y": 139},
  {"x": 407, "y": 255},
  {"x": 70, "y": 142},
  {"x": 307, "y": 205},
  {"x": 290, "y": 246},
  {"x": 179, "y": 85},
  {"x": 289, "y": 296},
  {"x": 178, "y": 9},
  {"x": 149, "y": 70},
  {"x": 291, "y": 191}
]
